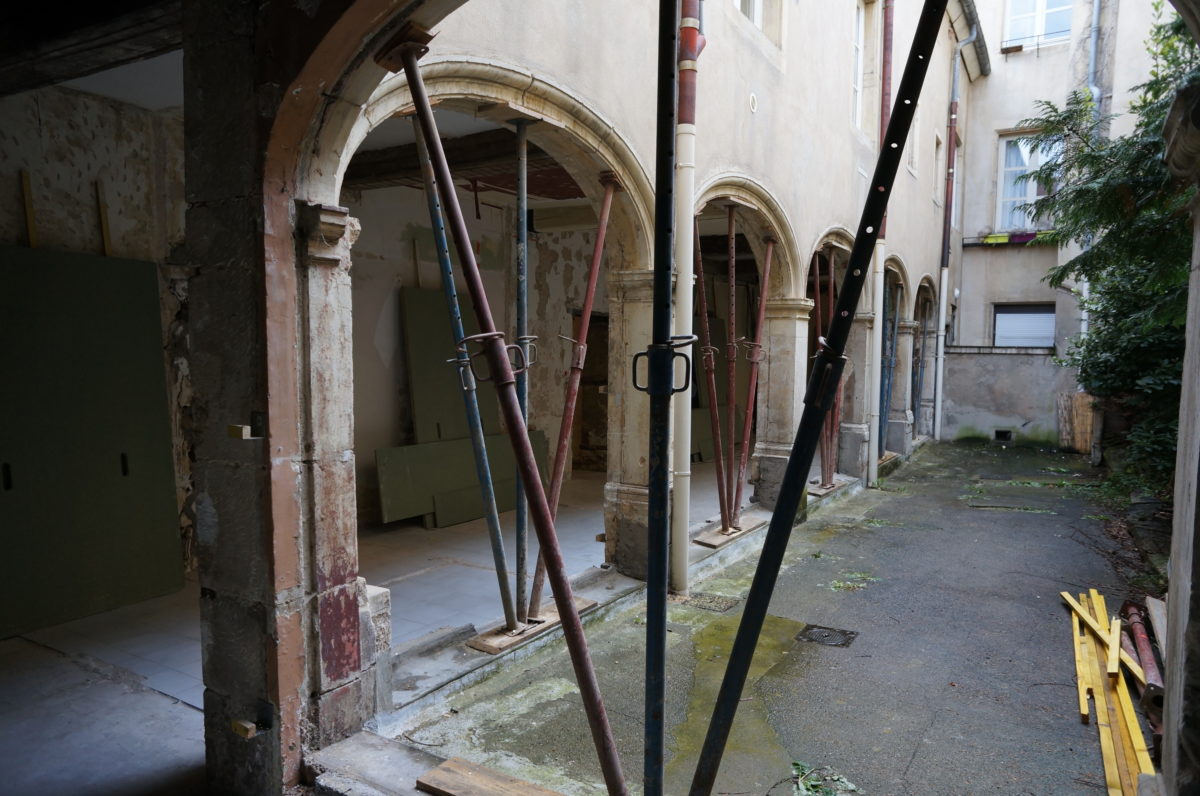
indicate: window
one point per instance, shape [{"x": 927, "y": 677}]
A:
[
  {"x": 753, "y": 9},
  {"x": 1034, "y": 22},
  {"x": 1024, "y": 325},
  {"x": 859, "y": 48},
  {"x": 1017, "y": 158}
]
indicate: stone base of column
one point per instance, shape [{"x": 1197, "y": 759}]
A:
[
  {"x": 766, "y": 472},
  {"x": 853, "y": 444},
  {"x": 626, "y": 514}
]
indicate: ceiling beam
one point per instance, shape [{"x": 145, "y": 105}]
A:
[
  {"x": 492, "y": 152},
  {"x": 40, "y": 45}
]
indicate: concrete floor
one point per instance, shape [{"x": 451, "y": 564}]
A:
[
  {"x": 119, "y": 694},
  {"x": 960, "y": 680},
  {"x": 70, "y": 728}
]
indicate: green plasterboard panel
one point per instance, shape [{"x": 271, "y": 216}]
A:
[
  {"x": 466, "y": 504},
  {"x": 81, "y": 383},
  {"x": 411, "y": 476},
  {"x": 435, "y": 390},
  {"x": 702, "y": 438}
]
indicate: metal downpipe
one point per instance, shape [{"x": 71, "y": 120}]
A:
[
  {"x": 522, "y": 521},
  {"x": 691, "y": 44},
  {"x": 875, "y": 382}
]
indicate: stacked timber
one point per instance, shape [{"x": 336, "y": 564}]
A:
[{"x": 1102, "y": 667}]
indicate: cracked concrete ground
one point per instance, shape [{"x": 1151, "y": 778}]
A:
[{"x": 960, "y": 680}]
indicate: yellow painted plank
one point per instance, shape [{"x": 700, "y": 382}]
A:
[
  {"x": 1102, "y": 633},
  {"x": 1112, "y": 665},
  {"x": 1141, "y": 751},
  {"x": 1112, "y": 775},
  {"x": 1081, "y": 681},
  {"x": 1122, "y": 745}
]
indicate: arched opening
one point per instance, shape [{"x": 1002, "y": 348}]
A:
[
  {"x": 423, "y": 526},
  {"x": 892, "y": 356},
  {"x": 924, "y": 344},
  {"x": 742, "y": 338},
  {"x": 826, "y": 270}
]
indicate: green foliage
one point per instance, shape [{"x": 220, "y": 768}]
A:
[
  {"x": 819, "y": 781},
  {"x": 1116, "y": 199}
]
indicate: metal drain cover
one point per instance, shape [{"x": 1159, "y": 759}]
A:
[
  {"x": 717, "y": 603},
  {"x": 829, "y": 636}
]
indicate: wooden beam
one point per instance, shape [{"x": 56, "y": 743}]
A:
[
  {"x": 458, "y": 777},
  {"x": 1102, "y": 633},
  {"x": 468, "y": 155},
  {"x": 1081, "y": 679},
  {"x": 40, "y": 45}
]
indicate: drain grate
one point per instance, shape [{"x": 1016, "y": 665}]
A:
[
  {"x": 716, "y": 603},
  {"x": 829, "y": 636}
]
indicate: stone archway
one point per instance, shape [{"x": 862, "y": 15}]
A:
[{"x": 778, "y": 404}]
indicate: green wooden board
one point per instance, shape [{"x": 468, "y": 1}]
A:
[
  {"x": 434, "y": 385},
  {"x": 415, "y": 479},
  {"x": 88, "y": 520}
]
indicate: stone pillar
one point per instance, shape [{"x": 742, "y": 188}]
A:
[
  {"x": 626, "y": 494},
  {"x": 854, "y": 439},
  {"x": 342, "y": 700},
  {"x": 900, "y": 418},
  {"x": 782, "y": 379}
]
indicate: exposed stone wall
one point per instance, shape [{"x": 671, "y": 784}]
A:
[{"x": 77, "y": 149}]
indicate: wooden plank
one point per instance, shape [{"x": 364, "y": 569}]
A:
[
  {"x": 496, "y": 641},
  {"x": 1112, "y": 665},
  {"x": 1102, "y": 634},
  {"x": 1112, "y": 776},
  {"x": 1141, "y": 751},
  {"x": 716, "y": 538},
  {"x": 102, "y": 210},
  {"x": 458, "y": 777},
  {"x": 1122, "y": 743},
  {"x": 1081, "y": 680},
  {"x": 1158, "y": 620},
  {"x": 30, "y": 217}
]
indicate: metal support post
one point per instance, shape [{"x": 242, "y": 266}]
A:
[
  {"x": 522, "y": 520},
  {"x": 708, "y": 354},
  {"x": 470, "y": 401},
  {"x": 660, "y": 356},
  {"x": 731, "y": 373},
  {"x": 571, "y": 393},
  {"x": 822, "y": 388},
  {"x": 755, "y": 354},
  {"x": 408, "y": 46}
]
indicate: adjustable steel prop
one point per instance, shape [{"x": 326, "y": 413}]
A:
[
  {"x": 755, "y": 353},
  {"x": 731, "y": 350},
  {"x": 822, "y": 389},
  {"x": 470, "y": 400},
  {"x": 708, "y": 355},
  {"x": 403, "y": 52},
  {"x": 523, "y": 340},
  {"x": 578, "y": 357},
  {"x": 660, "y": 358}
]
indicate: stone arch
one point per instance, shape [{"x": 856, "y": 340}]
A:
[
  {"x": 758, "y": 201},
  {"x": 895, "y": 265},
  {"x": 579, "y": 137}
]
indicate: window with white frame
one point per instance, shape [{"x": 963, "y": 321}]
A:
[
  {"x": 1034, "y": 22},
  {"x": 859, "y": 50},
  {"x": 753, "y": 9},
  {"x": 1017, "y": 158},
  {"x": 1024, "y": 325}
]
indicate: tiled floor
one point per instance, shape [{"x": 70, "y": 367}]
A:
[{"x": 438, "y": 577}]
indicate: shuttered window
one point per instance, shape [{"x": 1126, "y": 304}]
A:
[{"x": 1025, "y": 325}]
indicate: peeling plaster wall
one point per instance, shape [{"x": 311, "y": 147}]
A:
[
  {"x": 1003, "y": 388},
  {"x": 392, "y": 220},
  {"x": 69, "y": 141}
]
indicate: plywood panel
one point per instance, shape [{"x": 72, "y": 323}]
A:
[{"x": 89, "y": 521}]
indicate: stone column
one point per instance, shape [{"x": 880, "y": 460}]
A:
[
  {"x": 900, "y": 418},
  {"x": 626, "y": 494},
  {"x": 343, "y": 684},
  {"x": 855, "y": 434},
  {"x": 782, "y": 378}
]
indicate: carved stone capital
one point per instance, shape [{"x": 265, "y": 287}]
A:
[{"x": 789, "y": 309}]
